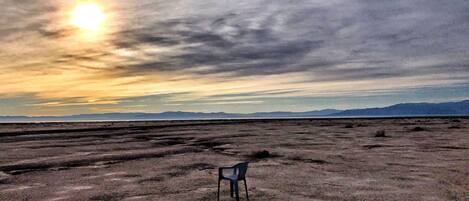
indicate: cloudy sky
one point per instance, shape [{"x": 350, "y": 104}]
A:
[{"x": 230, "y": 55}]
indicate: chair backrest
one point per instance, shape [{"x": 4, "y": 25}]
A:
[{"x": 241, "y": 169}]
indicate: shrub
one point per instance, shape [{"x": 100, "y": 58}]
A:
[
  {"x": 418, "y": 129},
  {"x": 262, "y": 154},
  {"x": 380, "y": 133}
]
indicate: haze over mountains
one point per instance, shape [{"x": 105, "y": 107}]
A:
[
  {"x": 412, "y": 109},
  {"x": 405, "y": 109}
]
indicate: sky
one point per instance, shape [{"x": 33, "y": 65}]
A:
[{"x": 229, "y": 55}]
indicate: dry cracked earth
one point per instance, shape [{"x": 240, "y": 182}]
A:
[{"x": 309, "y": 159}]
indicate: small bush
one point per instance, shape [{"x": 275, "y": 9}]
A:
[
  {"x": 262, "y": 154},
  {"x": 418, "y": 129},
  {"x": 348, "y": 126},
  {"x": 380, "y": 133}
]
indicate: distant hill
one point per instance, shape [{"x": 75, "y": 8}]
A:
[
  {"x": 294, "y": 114},
  {"x": 404, "y": 109},
  {"x": 165, "y": 116},
  {"x": 412, "y": 109}
]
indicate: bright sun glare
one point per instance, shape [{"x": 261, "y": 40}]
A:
[{"x": 88, "y": 16}]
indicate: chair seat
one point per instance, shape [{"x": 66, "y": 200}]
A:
[{"x": 231, "y": 177}]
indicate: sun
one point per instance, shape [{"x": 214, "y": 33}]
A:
[{"x": 88, "y": 16}]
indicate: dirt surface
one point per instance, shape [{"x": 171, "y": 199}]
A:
[{"x": 354, "y": 159}]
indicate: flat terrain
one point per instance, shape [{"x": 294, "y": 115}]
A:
[{"x": 342, "y": 159}]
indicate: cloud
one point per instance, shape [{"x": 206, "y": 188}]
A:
[{"x": 306, "y": 36}]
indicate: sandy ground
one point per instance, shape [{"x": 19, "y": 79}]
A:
[{"x": 420, "y": 159}]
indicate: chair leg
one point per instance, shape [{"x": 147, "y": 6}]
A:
[
  {"x": 231, "y": 189},
  {"x": 246, "y": 187},
  {"x": 236, "y": 190},
  {"x": 218, "y": 193}
]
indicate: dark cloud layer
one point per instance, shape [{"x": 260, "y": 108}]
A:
[{"x": 353, "y": 39}]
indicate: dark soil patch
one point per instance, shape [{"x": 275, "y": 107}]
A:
[
  {"x": 164, "y": 143},
  {"x": 348, "y": 126},
  {"x": 219, "y": 149},
  {"x": 235, "y": 136},
  {"x": 108, "y": 197},
  {"x": 143, "y": 137},
  {"x": 85, "y": 161},
  {"x": 131, "y": 175},
  {"x": 452, "y": 147},
  {"x": 199, "y": 166},
  {"x": 289, "y": 145},
  {"x": 184, "y": 170},
  {"x": 209, "y": 144},
  {"x": 4, "y": 181},
  {"x": 454, "y": 127},
  {"x": 301, "y": 132},
  {"x": 343, "y": 137},
  {"x": 402, "y": 178},
  {"x": 177, "y": 173},
  {"x": 78, "y": 144},
  {"x": 152, "y": 179},
  {"x": 315, "y": 161},
  {"x": 177, "y": 138},
  {"x": 372, "y": 146}
]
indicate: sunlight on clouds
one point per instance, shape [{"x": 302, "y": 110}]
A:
[
  {"x": 99, "y": 87},
  {"x": 88, "y": 16},
  {"x": 97, "y": 54},
  {"x": 95, "y": 89},
  {"x": 93, "y": 22}
]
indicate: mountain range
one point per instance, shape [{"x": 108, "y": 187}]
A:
[{"x": 405, "y": 109}]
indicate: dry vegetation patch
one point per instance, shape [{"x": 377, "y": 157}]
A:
[{"x": 418, "y": 129}]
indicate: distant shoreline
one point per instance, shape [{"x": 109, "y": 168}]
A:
[
  {"x": 241, "y": 118},
  {"x": 403, "y": 110}
]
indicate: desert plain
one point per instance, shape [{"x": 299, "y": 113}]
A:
[{"x": 416, "y": 159}]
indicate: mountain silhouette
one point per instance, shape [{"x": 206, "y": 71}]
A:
[
  {"x": 404, "y": 109},
  {"x": 412, "y": 109}
]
